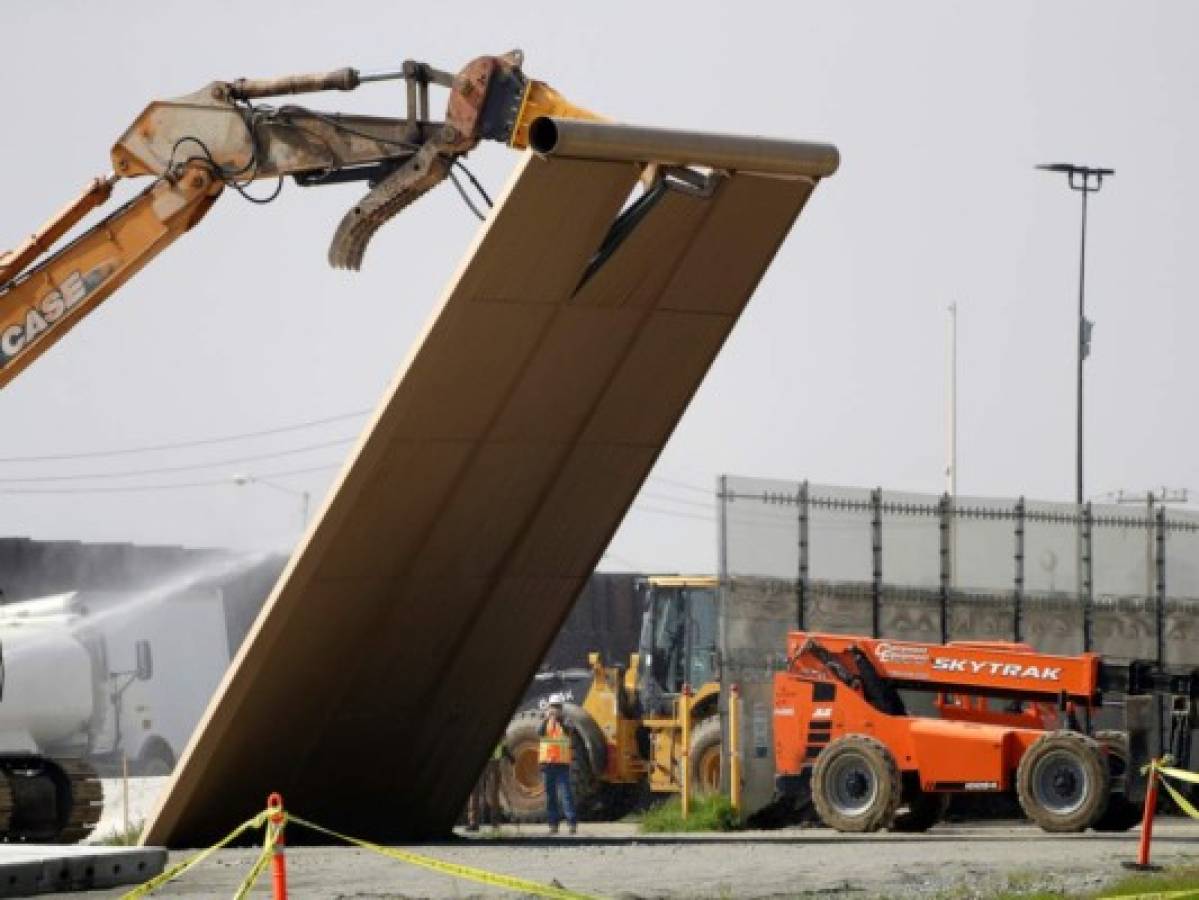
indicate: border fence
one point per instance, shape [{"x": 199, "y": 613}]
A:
[{"x": 1122, "y": 581}]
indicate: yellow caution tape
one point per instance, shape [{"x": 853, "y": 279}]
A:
[
  {"x": 175, "y": 871},
  {"x": 274, "y": 828},
  {"x": 1160, "y": 767},
  {"x": 274, "y": 821},
  {"x": 458, "y": 871},
  {"x": 1181, "y": 775}
]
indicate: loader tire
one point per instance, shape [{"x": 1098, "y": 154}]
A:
[
  {"x": 1121, "y": 813},
  {"x": 1063, "y": 782},
  {"x": 522, "y": 792},
  {"x": 856, "y": 785},
  {"x": 703, "y": 760},
  {"x": 589, "y": 764},
  {"x": 921, "y": 812}
]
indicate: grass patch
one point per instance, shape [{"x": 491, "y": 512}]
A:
[
  {"x": 709, "y": 812},
  {"x": 1178, "y": 883},
  {"x": 1184, "y": 878},
  {"x": 119, "y": 838}
]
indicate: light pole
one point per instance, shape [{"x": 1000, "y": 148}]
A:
[
  {"x": 1086, "y": 180},
  {"x": 305, "y": 496}
]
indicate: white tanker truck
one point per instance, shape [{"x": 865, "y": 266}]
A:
[{"x": 80, "y": 696}]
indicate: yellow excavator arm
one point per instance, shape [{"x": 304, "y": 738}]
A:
[{"x": 197, "y": 145}]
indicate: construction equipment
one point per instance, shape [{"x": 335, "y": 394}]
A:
[
  {"x": 46, "y": 798},
  {"x": 997, "y": 717},
  {"x": 82, "y": 679},
  {"x": 195, "y": 146},
  {"x": 629, "y": 724},
  {"x": 81, "y": 698}
]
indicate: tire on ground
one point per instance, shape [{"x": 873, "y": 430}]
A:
[
  {"x": 1063, "y": 781},
  {"x": 703, "y": 760},
  {"x": 1121, "y": 813},
  {"x": 920, "y": 812},
  {"x": 522, "y": 792},
  {"x": 856, "y": 784}
]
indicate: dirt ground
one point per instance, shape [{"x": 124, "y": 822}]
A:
[{"x": 958, "y": 861}]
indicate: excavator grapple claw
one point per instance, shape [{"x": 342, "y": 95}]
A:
[{"x": 395, "y": 193}]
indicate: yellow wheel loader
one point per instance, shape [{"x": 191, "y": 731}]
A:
[{"x": 628, "y": 722}]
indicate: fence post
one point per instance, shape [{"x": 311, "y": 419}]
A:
[
  {"x": 1159, "y": 540},
  {"x": 722, "y": 492},
  {"x": 1018, "y": 598},
  {"x": 945, "y": 512},
  {"x": 1087, "y": 588},
  {"x": 801, "y": 617},
  {"x": 876, "y": 547}
]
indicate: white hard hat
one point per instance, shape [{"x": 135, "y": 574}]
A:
[{"x": 557, "y": 700}]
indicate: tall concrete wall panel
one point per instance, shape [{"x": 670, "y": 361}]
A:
[{"x": 404, "y": 630}]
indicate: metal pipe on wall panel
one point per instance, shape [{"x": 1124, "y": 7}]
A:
[{"x": 599, "y": 140}]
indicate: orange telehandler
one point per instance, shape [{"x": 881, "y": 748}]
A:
[{"x": 993, "y": 717}]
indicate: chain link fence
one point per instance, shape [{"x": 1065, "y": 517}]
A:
[{"x": 1122, "y": 581}]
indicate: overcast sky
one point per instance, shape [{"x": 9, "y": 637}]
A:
[{"x": 836, "y": 372}]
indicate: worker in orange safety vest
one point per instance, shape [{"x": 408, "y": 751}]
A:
[{"x": 555, "y": 753}]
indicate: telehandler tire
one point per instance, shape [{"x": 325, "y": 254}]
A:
[
  {"x": 856, "y": 785},
  {"x": 921, "y": 812},
  {"x": 1063, "y": 782},
  {"x": 1121, "y": 813},
  {"x": 704, "y": 760}
]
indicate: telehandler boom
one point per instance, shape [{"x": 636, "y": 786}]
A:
[{"x": 193, "y": 147}]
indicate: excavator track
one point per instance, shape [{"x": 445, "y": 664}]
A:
[
  {"x": 87, "y": 801},
  {"x": 399, "y": 190},
  {"x": 6, "y": 804},
  {"x": 44, "y": 800}
]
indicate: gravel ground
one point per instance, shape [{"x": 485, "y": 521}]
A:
[{"x": 961, "y": 861}]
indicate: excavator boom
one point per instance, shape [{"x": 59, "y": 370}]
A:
[
  {"x": 40, "y": 306},
  {"x": 196, "y": 145}
]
